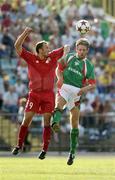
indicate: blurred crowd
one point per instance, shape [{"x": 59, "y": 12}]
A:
[{"x": 56, "y": 24}]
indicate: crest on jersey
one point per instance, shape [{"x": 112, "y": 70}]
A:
[
  {"x": 76, "y": 63},
  {"x": 48, "y": 60}
]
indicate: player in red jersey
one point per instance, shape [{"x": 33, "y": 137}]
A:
[{"x": 41, "y": 73}]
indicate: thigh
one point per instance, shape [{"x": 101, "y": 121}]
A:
[
  {"x": 27, "y": 118},
  {"x": 47, "y": 102},
  {"x": 33, "y": 103},
  {"x": 60, "y": 101},
  {"x": 46, "y": 119},
  {"x": 65, "y": 92}
]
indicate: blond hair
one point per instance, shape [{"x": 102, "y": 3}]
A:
[{"x": 83, "y": 41}]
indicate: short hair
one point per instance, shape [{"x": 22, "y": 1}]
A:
[
  {"x": 39, "y": 45},
  {"x": 83, "y": 41}
]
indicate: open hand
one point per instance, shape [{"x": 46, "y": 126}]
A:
[
  {"x": 28, "y": 30},
  {"x": 66, "y": 49}
]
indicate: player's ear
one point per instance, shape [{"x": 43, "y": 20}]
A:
[{"x": 76, "y": 48}]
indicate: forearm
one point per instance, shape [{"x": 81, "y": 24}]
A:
[
  {"x": 86, "y": 89},
  {"x": 19, "y": 42},
  {"x": 89, "y": 87}
]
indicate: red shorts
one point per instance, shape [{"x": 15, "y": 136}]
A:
[{"x": 41, "y": 102}]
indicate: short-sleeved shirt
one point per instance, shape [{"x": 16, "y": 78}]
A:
[
  {"x": 41, "y": 73},
  {"x": 77, "y": 70}
]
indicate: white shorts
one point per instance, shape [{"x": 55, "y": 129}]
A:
[{"x": 69, "y": 93}]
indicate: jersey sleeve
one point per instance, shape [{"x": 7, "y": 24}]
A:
[
  {"x": 91, "y": 76},
  {"x": 26, "y": 55},
  {"x": 57, "y": 53},
  {"x": 62, "y": 63}
]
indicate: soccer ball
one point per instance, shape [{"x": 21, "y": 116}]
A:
[{"x": 83, "y": 26}]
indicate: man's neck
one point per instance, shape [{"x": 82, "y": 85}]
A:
[
  {"x": 83, "y": 59},
  {"x": 41, "y": 57}
]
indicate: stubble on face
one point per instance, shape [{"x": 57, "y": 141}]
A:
[
  {"x": 45, "y": 50},
  {"x": 82, "y": 51}
]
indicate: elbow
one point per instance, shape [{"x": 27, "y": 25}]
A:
[
  {"x": 18, "y": 48},
  {"x": 16, "y": 45}
]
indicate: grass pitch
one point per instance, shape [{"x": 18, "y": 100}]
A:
[{"x": 55, "y": 168}]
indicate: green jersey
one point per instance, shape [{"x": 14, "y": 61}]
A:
[{"x": 77, "y": 70}]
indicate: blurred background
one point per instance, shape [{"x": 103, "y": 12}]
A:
[{"x": 54, "y": 21}]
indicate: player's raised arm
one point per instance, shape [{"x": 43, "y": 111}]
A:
[
  {"x": 61, "y": 65},
  {"x": 66, "y": 50},
  {"x": 58, "y": 53},
  {"x": 61, "y": 61},
  {"x": 20, "y": 40}
]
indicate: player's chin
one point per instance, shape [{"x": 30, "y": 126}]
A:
[
  {"x": 46, "y": 55},
  {"x": 82, "y": 56}
]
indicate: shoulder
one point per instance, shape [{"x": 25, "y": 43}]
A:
[
  {"x": 27, "y": 55},
  {"x": 89, "y": 63},
  {"x": 27, "y": 51},
  {"x": 70, "y": 55}
]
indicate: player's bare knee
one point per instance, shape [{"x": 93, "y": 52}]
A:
[{"x": 46, "y": 122}]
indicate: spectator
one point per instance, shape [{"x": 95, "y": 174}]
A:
[
  {"x": 10, "y": 101},
  {"x": 86, "y": 111},
  {"x": 86, "y": 10},
  {"x": 6, "y": 7},
  {"x": 22, "y": 71},
  {"x": 31, "y": 7},
  {"x": 69, "y": 10},
  {"x": 21, "y": 88},
  {"x": 7, "y": 40},
  {"x": 2, "y": 89}
]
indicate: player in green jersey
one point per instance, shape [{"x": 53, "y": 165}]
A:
[{"x": 75, "y": 74}]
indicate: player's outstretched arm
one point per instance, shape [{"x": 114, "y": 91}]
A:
[{"x": 20, "y": 40}]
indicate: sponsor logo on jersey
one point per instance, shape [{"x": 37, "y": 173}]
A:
[
  {"x": 76, "y": 63},
  {"x": 48, "y": 60},
  {"x": 75, "y": 71}
]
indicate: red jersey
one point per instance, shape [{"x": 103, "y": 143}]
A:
[{"x": 41, "y": 73}]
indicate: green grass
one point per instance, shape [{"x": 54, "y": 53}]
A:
[{"x": 55, "y": 168}]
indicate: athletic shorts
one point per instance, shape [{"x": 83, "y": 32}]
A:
[
  {"x": 40, "y": 102},
  {"x": 69, "y": 93}
]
